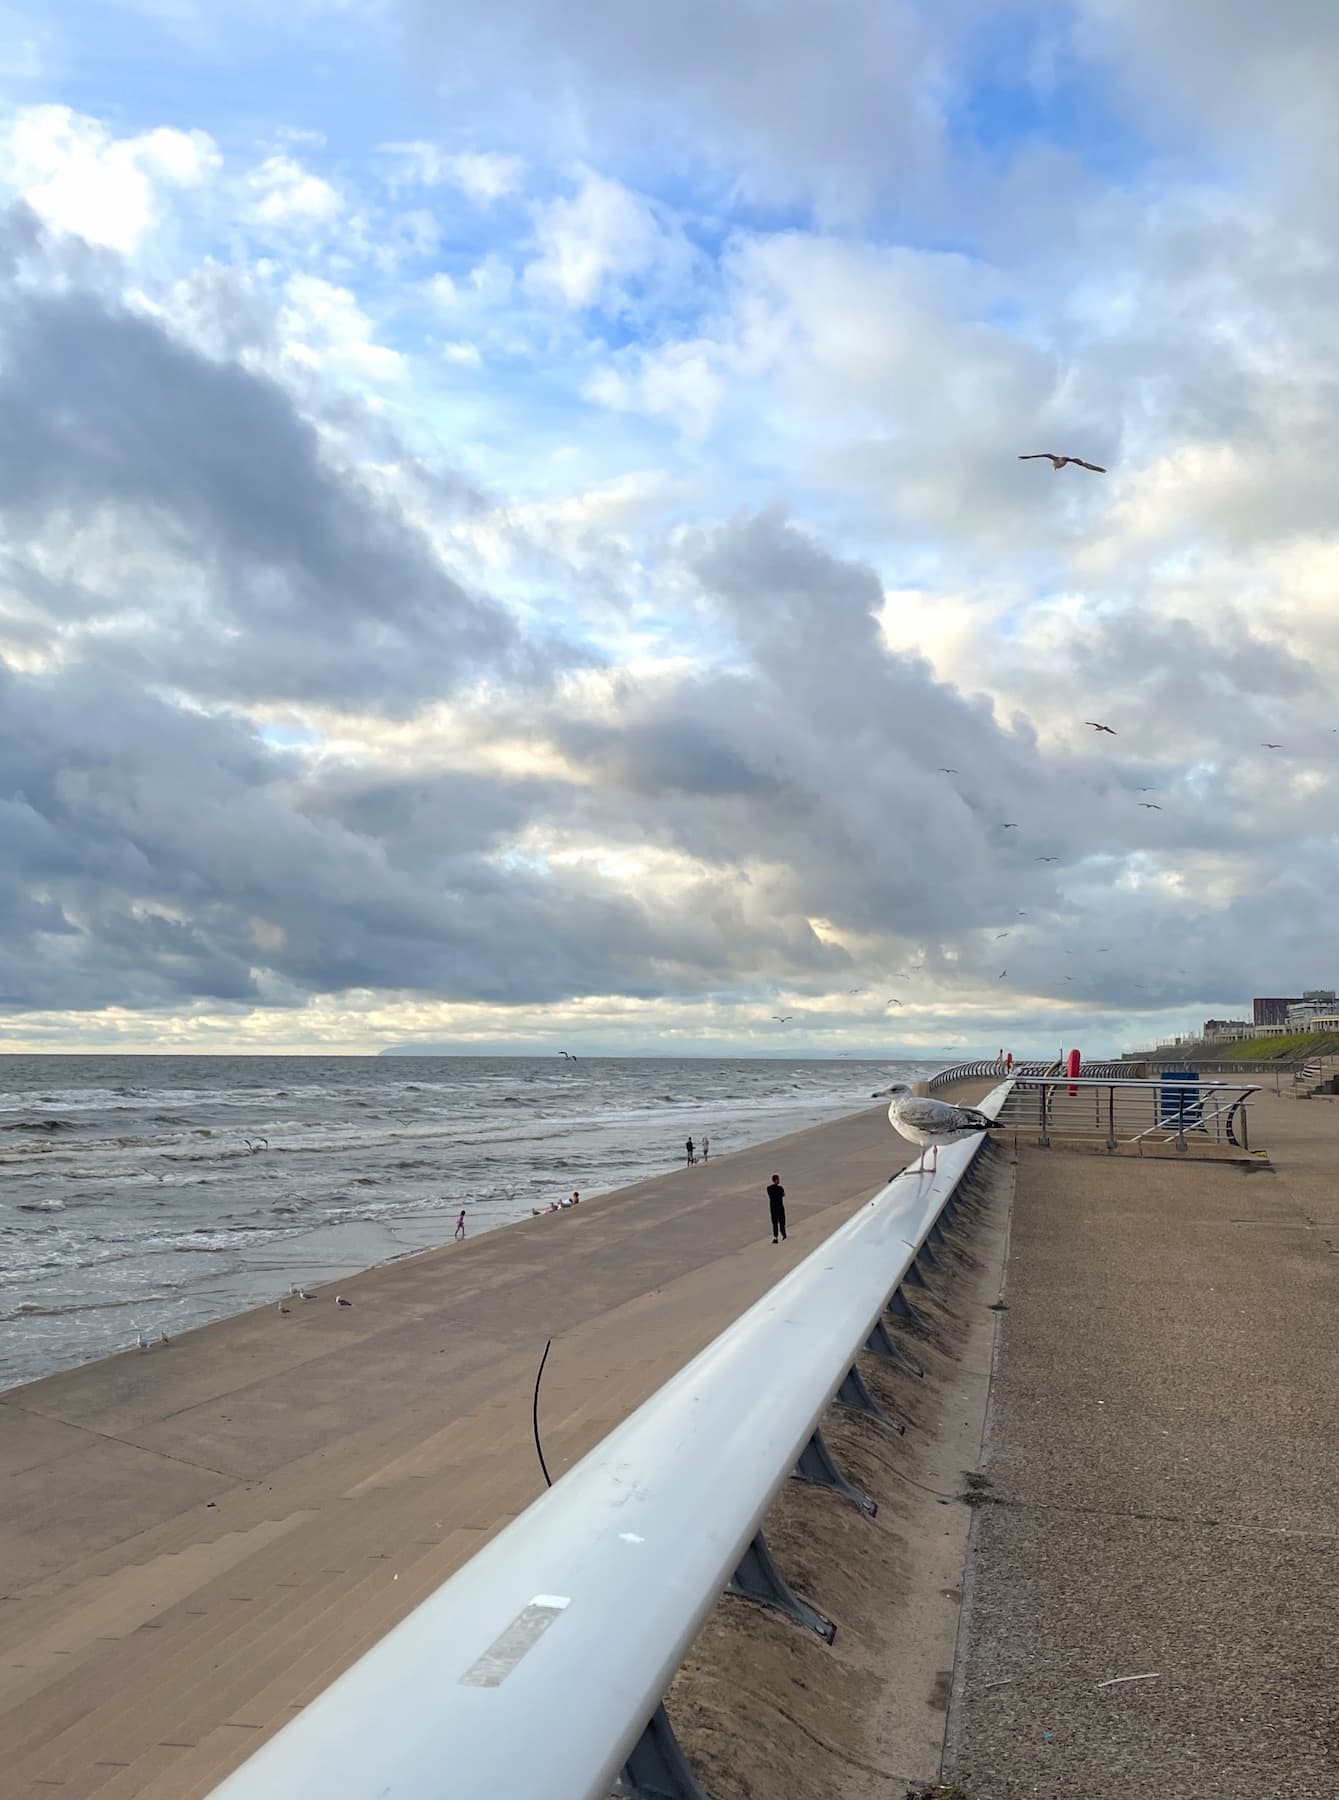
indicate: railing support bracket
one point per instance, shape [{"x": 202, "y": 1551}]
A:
[
  {"x": 879, "y": 1343},
  {"x": 856, "y": 1397},
  {"x": 758, "y": 1579},
  {"x": 657, "y": 1768},
  {"x": 901, "y": 1309},
  {"x": 816, "y": 1466}
]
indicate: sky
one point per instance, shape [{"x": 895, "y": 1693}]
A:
[{"x": 512, "y": 533}]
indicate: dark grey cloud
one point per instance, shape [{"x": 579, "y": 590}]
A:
[{"x": 283, "y": 576}]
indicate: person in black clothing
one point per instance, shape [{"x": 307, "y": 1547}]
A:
[
  {"x": 688, "y": 1147},
  {"x": 776, "y": 1199}
]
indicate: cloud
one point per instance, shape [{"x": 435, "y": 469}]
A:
[
  {"x": 595, "y": 243},
  {"x": 325, "y": 328},
  {"x": 833, "y": 101},
  {"x": 484, "y": 177},
  {"x": 282, "y": 194},
  {"x": 278, "y": 572},
  {"x": 79, "y": 178}
]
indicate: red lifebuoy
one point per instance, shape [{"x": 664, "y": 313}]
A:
[{"x": 1075, "y": 1063}]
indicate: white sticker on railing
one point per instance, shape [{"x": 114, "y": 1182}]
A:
[{"x": 520, "y": 1637}]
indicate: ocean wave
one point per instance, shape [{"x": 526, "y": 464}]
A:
[{"x": 31, "y": 1125}]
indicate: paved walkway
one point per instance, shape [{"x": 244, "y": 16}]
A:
[
  {"x": 197, "y": 1540},
  {"x": 1164, "y": 1461}
]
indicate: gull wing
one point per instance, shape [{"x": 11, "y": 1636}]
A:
[{"x": 938, "y": 1115}]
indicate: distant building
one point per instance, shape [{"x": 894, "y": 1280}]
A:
[
  {"x": 1227, "y": 1031},
  {"x": 1273, "y": 1012},
  {"x": 1326, "y": 1021},
  {"x": 1315, "y": 1003}
]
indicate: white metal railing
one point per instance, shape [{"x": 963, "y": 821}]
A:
[
  {"x": 989, "y": 1071},
  {"x": 535, "y": 1669},
  {"x": 1131, "y": 1110}
]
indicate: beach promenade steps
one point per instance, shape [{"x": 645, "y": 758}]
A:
[
  {"x": 1163, "y": 1466},
  {"x": 196, "y": 1540}
]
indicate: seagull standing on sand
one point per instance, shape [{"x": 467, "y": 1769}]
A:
[
  {"x": 341, "y": 1301},
  {"x": 1062, "y": 462},
  {"x": 929, "y": 1123}
]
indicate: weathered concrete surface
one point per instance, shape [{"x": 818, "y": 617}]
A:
[
  {"x": 1164, "y": 1461},
  {"x": 195, "y": 1541}
]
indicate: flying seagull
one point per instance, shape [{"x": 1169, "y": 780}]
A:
[
  {"x": 780, "y": 1020},
  {"x": 855, "y": 990},
  {"x": 948, "y": 771},
  {"x": 1271, "y": 746},
  {"x": 568, "y": 1054},
  {"x": 1149, "y": 790},
  {"x": 1001, "y": 975},
  {"x": 892, "y": 1003},
  {"x": 929, "y": 1123},
  {"x": 1062, "y": 462},
  {"x": 1009, "y": 826},
  {"x": 1150, "y": 806},
  {"x": 1046, "y": 859},
  {"x": 1097, "y": 727}
]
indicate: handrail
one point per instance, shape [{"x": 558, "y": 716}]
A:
[{"x": 536, "y": 1667}]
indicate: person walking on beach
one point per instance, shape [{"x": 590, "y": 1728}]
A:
[
  {"x": 706, "y": 1147},
  {"x": 1008, "y": 1061},
  {"x": 460, "y": 1226},
  {"x": 689, "y": 1148},
  {"x": 776, "y": 1200}
]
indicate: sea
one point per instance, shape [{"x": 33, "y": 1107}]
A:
[{"x": 157, "y": 1193}]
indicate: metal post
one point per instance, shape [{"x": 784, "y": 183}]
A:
[
  {"x": 1245, "y": 1129},
  {"x": 1044, "y": 1140},
  {"x": 1111, "y": 1117}
]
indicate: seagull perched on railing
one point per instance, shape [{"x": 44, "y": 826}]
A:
[
  {"x": 929, "y": 1123},
  {"x": 1062, "y": 462}
]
